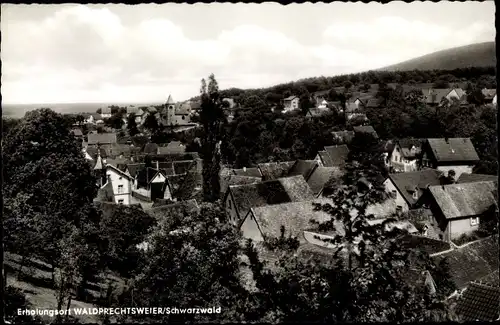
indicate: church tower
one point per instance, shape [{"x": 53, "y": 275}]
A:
[{"x": 170, "y": 110}]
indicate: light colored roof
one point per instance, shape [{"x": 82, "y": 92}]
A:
[
  {"x": 453, "y": 149},
  {"x": 231, "y": 180},
  {"x": 320, "y": 176},
  {"x": 101, "y": 138},
  {"x": 463, "y": 200},
  {"x": 291, "y": 98},
  {"x": 294, "y": 216},
  {"x": 283, "y": 190},
  {"x": 183, "y": 109},
  {"x": 275, "y": 170},
  {"x": 337, "y": 155},
  {"x": 170, "y": 100},
  {"x": 472, "y": 178},
  {"x": 365, "y": 129}
]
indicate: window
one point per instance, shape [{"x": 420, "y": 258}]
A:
[
  {"x": 230, "y": 204},
  {"x": 474, "y": 221},
  {"x": 120, "y": 189},
  {"x": 120, "y": 177},
  {"x": 120, "y": 201}
]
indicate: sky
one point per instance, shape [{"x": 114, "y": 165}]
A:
[{"x": 116, "y": 53}]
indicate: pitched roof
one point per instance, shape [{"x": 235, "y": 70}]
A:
[
  {"x": 294, "y": 216},
  {"x": 96, "y": 116},
  {"x": 351, "y": 107},
  {"x": 337, "y": 155},
  {"x": 373, "y": 103},
  {"x": 170, "y": 100},
  {"x": 454, "y": 149},
  {"x": 145, "y": 176},
  {"x": 254, "y": 171},
  {"x": 283, "y": 190},
  {"x": 120, "y": 163},
  {"x": 238, "y": 180},
  {"x": 183, "y": 109},
  {"x": 172, "y": 147},
  {"x": 365, "y": 129},
  {"x": 92, "y": 151},
  {"x": 463, "y": 200},
  {"x": 303, "y": 167},
  {"x": 133, "y": 169},
  {"x": 106, "y": 110},
  {"x": 472, "y": 262},
  {"x": 407, "y": 144},
  {"x": 290, "y": 98},
  {"x": 182, "y": 166},
  {"x": 491, "y": 279},
  {"x": 275, "y": 170},
  {"x": 320, "y": 176},
  {"x": 101, "y": 138},
  {"x": 406, "y": 183},
  {"x": 118, "y": 171},
  {"x": 195, "y": 105},
  {"x": 472, "y": 178},
  {"x": 424, "y": 244},
  {"x": 119, "y": 149},
  {"x": 479, "y": 303},
  {"x": 435, "y": 96}
]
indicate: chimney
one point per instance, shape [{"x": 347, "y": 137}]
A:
[
  {"x": 244, "y": 169},
  {"x": 158, "y": 164}
]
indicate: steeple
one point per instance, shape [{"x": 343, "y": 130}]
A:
[
  {"x": 99, "y": 164},
  {"x": 170, "y": 101}
]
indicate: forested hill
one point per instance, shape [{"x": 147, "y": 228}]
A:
[
  {"x": 483, "y": 77},
  {"x": 473, "y": 55}
]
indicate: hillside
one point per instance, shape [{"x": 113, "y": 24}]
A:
[{"x": 474, "y": 55}]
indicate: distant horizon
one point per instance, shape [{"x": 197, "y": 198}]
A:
[{"x": 102, "y": 53}]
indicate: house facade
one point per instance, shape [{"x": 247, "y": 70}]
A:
[
  {"x": 291, "y": 103},
  {"x": 121, "y": 183},
  {"x": 105, "y": 112},
  {"x": 459, "y": 208},
  {"x": 457, "y": 154},
  {"x": 404, "y": 156}
]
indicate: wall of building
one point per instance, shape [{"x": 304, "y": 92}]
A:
[
  {"x": 126, "y": 190},
  {"x": 250, "y": 229},
  {"x": 389, "y": 188},
  {"x": 459, "y": 170},
  {"x": 459, "y": 227},
  {"x": 231, "y": 210}
]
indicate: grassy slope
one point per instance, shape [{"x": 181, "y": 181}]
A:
[
  {"x": 35, "y": 283},
  {"x": 474, "y": 55}
]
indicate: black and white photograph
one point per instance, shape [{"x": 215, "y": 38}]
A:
[{"x": 249, "y": 163}]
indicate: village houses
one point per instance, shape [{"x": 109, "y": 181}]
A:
[{"x": 291, "y": 103}]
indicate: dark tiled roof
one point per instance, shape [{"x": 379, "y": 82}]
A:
[
  {"x": 101, "y": 138},
  {"x": 283, "y": 190},
  {"x": 365, "y": 129},
  {"x": 303, "y": 167},
  {"x": 454, "y": 149},
  {"x": 407, "y": 144},
  {"x": 183, "y": 109},
  {"x": 320, "y": 176},
  {"x": 253, "y": 172},
  {"x": 145, "y": 176},
  {"x": 172, "y": 147},
  {"x": 463, "y": 200},
  {"x": 175, "y": 182},
  {"x": 472, "y": 262},
  {"x": 181, "y": 167},
  {"x": 133, "y": 169},
  {"x": 120, "y": 163},
  {"x": 479, "y": 303},
  {"x": 407, "y": 182},
  {"x": 424, "y": 244},
  {"x": 191, "y": 185},
  {"x": 294, "y": 216},
  {"x": 337, "y": 154},
  {"x": 92, "y": 151},
  {"x": 275, "y": 170},
  {"x": 116, "y": 150},
  {"x": 472, "y": 178}
]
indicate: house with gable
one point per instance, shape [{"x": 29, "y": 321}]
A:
[
  {"x": 436, "y": 97},
  {"x": 404, "y": 155},
  {"x": 459, "y": 208},
  {"x": 290, "y": 104},
  {"x": 121, "y": 184},
  {"x": 275, "y": 170},
  {"x": 333, "y": 156},
  {"x": 264, "y": 222},
  {"x": 489, "y": 94},
  {"x": 407, "y": 188},
  {"x": 175, "y": 114},
  {"x": 303, "y": 167},
  {"x": 445, "y": 154},
  {"x": 151, "y": 184},
  {"x": 366, "y": 129},
  {"x": 320, "y": 177},
  {"x": 239, "y": 199},
  {"x": 137, "y": 112}
]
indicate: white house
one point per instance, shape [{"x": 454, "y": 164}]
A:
[
  {"x": 106, "y": 112},
  {"x": 291, "y": 103},
  {"x": 404, "y": 156},
  {"x": 122, "y": 184}
]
